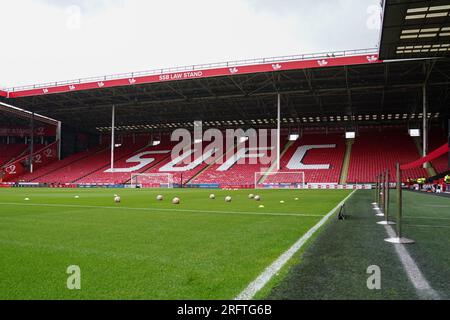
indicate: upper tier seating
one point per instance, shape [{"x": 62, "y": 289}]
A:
[
  {"x": 9, "y": 152},
  {"x": 40, "y": 174}
]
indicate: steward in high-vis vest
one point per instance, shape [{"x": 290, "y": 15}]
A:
[
  {"x": 447, "y": 179},
  {"x": 421, "y": 181}
]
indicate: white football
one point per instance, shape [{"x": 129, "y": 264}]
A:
[
  {"x": 251, "y": 196},
  {"x": 77, "y": 197},
  {"x": 27, "y": 199},
  {"x": 212, "y": 196},
  {"x": 160, "y": 198},
  {"x": 228, "y": 199},
  {"x": 257, "y": 198},
  {"x": 176, "y": 201},
  {"x": 282, "y": 201},
  {"x": 117, "y": 199}
]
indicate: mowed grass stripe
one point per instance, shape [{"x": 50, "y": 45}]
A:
[{"x": 118, "y": 207}]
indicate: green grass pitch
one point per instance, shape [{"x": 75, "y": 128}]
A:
[{"x": 145, "y": 249}]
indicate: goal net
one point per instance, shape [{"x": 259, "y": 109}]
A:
[
  {"x": 279, "y": 180},
  {"x": 151, "y": 180}
]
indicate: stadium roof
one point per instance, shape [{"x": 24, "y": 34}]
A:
[
  {"x": 10, "y": 112},
  {"x": 415, "y": 29},
  {"x": 342, "y": 88}
]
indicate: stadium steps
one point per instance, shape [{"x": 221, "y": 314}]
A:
[
  {"x": 150, "y": 168},
  {"x": 63, "y": 165},
  {"x": 346, "y": 163},
  {"x": 195, "y": 176},
  {"x": 108, "y": 165},
  {"x": 274, "y": 165},
  {"x": 198, "y": 174},
  {"x": 430, "y": 169}
]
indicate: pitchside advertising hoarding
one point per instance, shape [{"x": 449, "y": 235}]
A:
[{"x": 19, "y": 167}]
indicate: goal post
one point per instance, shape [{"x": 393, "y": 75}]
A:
[
  {"x": 151, "y": 180},
  {"x": 279, "y": 180}
]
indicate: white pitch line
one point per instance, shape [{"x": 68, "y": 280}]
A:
[
  {"x": 423, "y": 288},
  {"x": 300, "y": 215},
  {"x": 416, "y": 277},
  {"x": 276, "y": 266}
]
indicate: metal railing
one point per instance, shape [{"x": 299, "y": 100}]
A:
[{"x": 199, "y": 67}]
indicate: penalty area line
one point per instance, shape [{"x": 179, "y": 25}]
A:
[{"x": 261, "y": 281}]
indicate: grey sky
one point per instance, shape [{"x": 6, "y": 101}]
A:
[{"x": 50, "y": 40}]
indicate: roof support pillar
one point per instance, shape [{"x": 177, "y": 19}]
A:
[
  {"x": 425, "y": 124},
  {"x": 279, "y": 133},
  {"x": 113, "y": 125},
  {"x": 31, "y": 142},
  {"x": 58, "y": 138}
]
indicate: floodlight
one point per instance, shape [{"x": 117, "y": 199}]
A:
[
  {"x": 350, "y": 135},
  {"x": 414, "y": 132}
]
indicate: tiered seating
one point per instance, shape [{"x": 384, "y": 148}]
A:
[
  {"x": 322, "y": 163},
  {"x": 9, "y": 152},
  {"x": 374, "y": 152},
  {"x": 180, "y": 176},
  {"x": 39, "y": 175},
  {"x": 100, "y": 176},
  {"x": 237, "y": 175},
  {"x": 332, "y": 156},
  {"x": 78, "y": 169}
]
